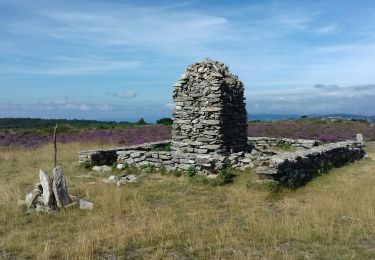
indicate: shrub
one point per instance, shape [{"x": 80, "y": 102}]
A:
[
  {"x": 283, "y": 145},
  {"x": 191, "y": 171},
  {"x": 165, "y": 121},
  {"x": 86, "y": 165},
  {"x": 225, "y": 176},
  {"x": 166, "y": 148},
  {"x": 141, "y": 121},
  {"x": 177, "y": 173},
  {"x": 162, "y": 169},
  {"x": 149, "y": 168}
]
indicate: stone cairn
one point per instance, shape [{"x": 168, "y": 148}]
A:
[
  {"x": 50, "y": 195},
  {"x": 209, "y": 133},
  {"x": 210, "y": 115}
]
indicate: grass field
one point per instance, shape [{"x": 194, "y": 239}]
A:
[{"x": 332, "y": 217}]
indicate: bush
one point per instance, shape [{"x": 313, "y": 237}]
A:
[
  {"x": 177, "y": 173},
  {"x": 162, "y": 169},
  {"x": 191, "y": 171},
  {"x": 225, "y": 176},
  {"x": 141, "y": 121},
  {"x": 165, "y": 121},
  {"x": 86, "y": 164},
  {"x": 283, "y": 145},
  {"x": 149, "y": 168}
]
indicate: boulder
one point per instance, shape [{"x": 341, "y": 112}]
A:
[
  {"x": 46, "y": 187},
  {"x": 59, "y": 187}
]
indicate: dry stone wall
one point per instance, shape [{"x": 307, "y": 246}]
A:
[
  {"x": 209, "y": 114},
  {"x": 157, "y": 155},
  {"x": 272, "y": 141},
  {"x": 298, "y": 167}
]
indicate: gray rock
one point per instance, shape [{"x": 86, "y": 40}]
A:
[
  {"x": 120, "y": 166},
  {"x": 111, "y": 179},
  {"x": 127, "y": 179},
  {"x": 46, "y": 186},
  {"x": 31, "y": 198},
  {"x": 103, "y": 168},
  {"x": 131, "y": 178},
  {"x": 59, "y": 187},
  {"x": 86, "y": 205}
]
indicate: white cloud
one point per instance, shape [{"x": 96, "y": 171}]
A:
[
  {"x": 326, "y": 29},
  {"x": 321, "y": 99},
  {"x": 64, "y": 104},
  {"x": 69, "y": 66},
  {"x": 123, "y": 94}
]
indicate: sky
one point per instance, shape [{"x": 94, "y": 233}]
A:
[{"x": 96, "y": 59}]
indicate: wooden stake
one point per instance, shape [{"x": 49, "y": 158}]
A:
[{"x": 54, "y": 143}]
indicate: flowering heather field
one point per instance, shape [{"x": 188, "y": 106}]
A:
[
  {"x": 119, "y": 136},
  {"x": 313, "y": 129},
  {"x": 324, "y": 131}
]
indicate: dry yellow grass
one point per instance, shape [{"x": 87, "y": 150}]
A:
[{"x": 332, "y": 217}]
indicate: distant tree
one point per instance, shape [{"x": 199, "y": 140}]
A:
[
  {"x": 304, "y": 116},
  {"x": 141, "y": 122},
  {"x": 164, "y": 121}
]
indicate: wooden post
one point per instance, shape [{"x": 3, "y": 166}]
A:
[{"x": 54, "y": 143}]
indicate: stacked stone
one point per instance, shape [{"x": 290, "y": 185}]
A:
[
  {"x": 273, "y": 141},
  {"x": 210, "y": 115},
  {"x": 298, "y": 167}
]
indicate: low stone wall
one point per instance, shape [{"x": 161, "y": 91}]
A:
[
  {"x": 298, "y": 167},
  {"x": 100, "y": 157},
  {"x": 271, "y": 141},
  {"x": 173, "y": 160},
  {"x": 287, "y": 167},
  {"x": 157, "y": 155}
]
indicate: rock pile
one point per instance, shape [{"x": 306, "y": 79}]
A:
[
  {"x": 209, "y": 114},
  {"x": 52, "y": 194}
]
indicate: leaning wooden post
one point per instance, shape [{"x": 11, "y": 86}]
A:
[{"x": 54, "y": 144}]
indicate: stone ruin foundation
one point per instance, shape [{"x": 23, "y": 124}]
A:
[{"x": 209, "y": 133}]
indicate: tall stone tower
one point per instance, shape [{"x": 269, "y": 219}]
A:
[{"x": 209, "y": 115}]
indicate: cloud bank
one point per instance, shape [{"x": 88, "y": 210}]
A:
[
  {"x": 320, "y": 99},
  {"x": 123, "y": 94}
]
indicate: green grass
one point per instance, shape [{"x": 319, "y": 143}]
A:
[{"x": 164, "y": 216}]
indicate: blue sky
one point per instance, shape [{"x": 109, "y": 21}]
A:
[{"x": 119, "y": 59}]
